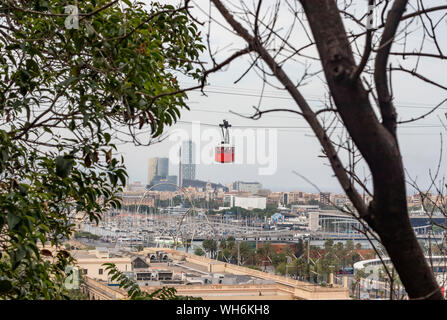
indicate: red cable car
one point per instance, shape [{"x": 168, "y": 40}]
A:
[{"x": 225, "y": 151}]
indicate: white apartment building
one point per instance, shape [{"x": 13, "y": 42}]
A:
[{"x": 249, "y": 203}]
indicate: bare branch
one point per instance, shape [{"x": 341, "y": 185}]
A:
[{"x": 387, "y": 109}]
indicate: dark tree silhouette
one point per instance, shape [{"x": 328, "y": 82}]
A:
[{"x": 358, "y": 77}]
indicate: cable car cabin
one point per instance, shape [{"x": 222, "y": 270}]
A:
[{"x": 224, "y": 153}]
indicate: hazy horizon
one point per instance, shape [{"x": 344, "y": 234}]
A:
[{"x": 297, "y": 149}]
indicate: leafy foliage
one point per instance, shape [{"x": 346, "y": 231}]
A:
[
  {"x": 65, "y": 96},
  {"x": 85, "y": 234},
  {"x": 231, "y": 251},
  {"x": 210, "y": 246},
  {"x": 323, "y": 261},
  {"x": 199, "y": 252}
]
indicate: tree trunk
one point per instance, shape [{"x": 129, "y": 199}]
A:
[{"x": 388, "y": 214}]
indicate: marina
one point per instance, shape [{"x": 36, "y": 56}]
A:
[{"x": 174, "y": 226}]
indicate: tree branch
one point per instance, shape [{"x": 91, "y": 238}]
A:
[
  {"x": 307, "y": 112},
  {"x": 386, "y": 106}
]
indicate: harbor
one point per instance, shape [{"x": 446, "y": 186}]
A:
[{"x": 173, "y": 227}]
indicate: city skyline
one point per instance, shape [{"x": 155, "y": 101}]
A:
[
  {"x": 220, "y": 150},
  {"x": 298, "y": 149},
  {"x": 301, "y": 184}
]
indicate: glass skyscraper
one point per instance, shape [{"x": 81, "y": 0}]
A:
[
  {"x": 157, "y": 167},
  {"x": 188, "y": 161}
]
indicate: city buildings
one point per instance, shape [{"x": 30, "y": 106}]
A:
[
  {"x": 136, "y": 197},
  {"x": 90, "y": 262},
  {"x": 196, "y": 276},
  {"x": 289, "y": 198},
  {"x": 200, "y": 185},
  {"x": 136, "y": 186},
  {"x": 275, "y": 198},
  {"x": 333, "y": 221},
  {"x": 325, "y": 198},
  {"x": 250, "y": 187},
  {"x": 164, "y": 179}
]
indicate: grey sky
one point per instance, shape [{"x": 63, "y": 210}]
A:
[{"x": 297, "y": 149}]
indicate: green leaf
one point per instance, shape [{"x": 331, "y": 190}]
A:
[
  {"x": 68, "y": 81},
  {"x": 107, "y": 137},
  {"x": 5, "y": 286},
  {"x": 13, "y": 220},
  {"x": 102, "y": 81},
  {"x": 63, "y": 166}
]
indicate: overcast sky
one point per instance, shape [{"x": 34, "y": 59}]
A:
[{"x": 296, "y": 148}]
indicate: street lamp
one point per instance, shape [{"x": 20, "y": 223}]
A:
[{"x": 308, "y": 258}]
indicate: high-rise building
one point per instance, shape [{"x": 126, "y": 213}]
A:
[
  {"x": 163, "y": 167},
  {"x": 188, "y": 170},
  {"x": 157, "y": 167},
  {"x": 152, "y": 169}
]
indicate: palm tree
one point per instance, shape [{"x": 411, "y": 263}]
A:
[
  {"x": 265, "y": 253},
  {"x": 210, "y": 246}
]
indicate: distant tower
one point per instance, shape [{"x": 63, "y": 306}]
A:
[
  {"x": 163, "y": 167},
  {"x": 180, "y": 173},
  {"x": 157, "y": 167},
  {"x": 187, "y": 161},
  {"x": 152, "y": 170}
]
